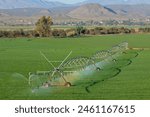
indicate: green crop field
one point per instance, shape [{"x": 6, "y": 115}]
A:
[{"x": 127, "y": 78}]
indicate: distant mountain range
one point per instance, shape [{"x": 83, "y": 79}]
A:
[
  {"x": 117, "y": 12},
  {"x": 132, "y": 11},
  {"x": 112, "y": 2},
  {"x": 91, "y": 11},
  {"x": 20, "y": 10},
  {"x": 11, "y": 4}
]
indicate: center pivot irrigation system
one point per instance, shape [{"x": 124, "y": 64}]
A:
[{"x": 72, "y": 65}]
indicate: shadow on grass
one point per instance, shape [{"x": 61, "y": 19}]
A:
[{"x": 3, "y": 50}]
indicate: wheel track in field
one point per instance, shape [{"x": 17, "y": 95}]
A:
[
  {"x": 99, "y": 81},
  {"x": 118, "y": 71}
]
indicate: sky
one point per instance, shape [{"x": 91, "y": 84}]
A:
[
  {"x": 77, "y": 1},
  {"x": 68, "y": 1}
]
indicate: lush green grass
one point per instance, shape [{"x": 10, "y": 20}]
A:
[{"x": 117, "y": 80}]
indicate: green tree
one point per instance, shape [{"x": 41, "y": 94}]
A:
[
  {"x": 43, "y": 26},
  {"x": 80, "y": 30}
]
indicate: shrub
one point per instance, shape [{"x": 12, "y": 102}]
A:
[
  {"x": 59, "y": 33},
  {"x": 71, "y": 33}
]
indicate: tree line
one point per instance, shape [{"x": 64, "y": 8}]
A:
[{"x": 43, "y": 29}]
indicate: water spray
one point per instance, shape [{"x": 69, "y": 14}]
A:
[{"x": 74, "y": 65}]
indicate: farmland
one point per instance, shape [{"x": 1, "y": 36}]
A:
[{"x": 127, "y": 78}]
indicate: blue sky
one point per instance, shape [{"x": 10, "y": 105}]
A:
[
  {"x": 68, "y": 1},
  {"x": 115, "y": 1}
]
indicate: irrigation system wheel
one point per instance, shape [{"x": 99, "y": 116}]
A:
[
  {"x": 67, "y": 84},
  {"x": 98, "y": 68}
]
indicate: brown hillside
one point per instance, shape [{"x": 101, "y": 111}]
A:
[{"x": 91, "y": 11}]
